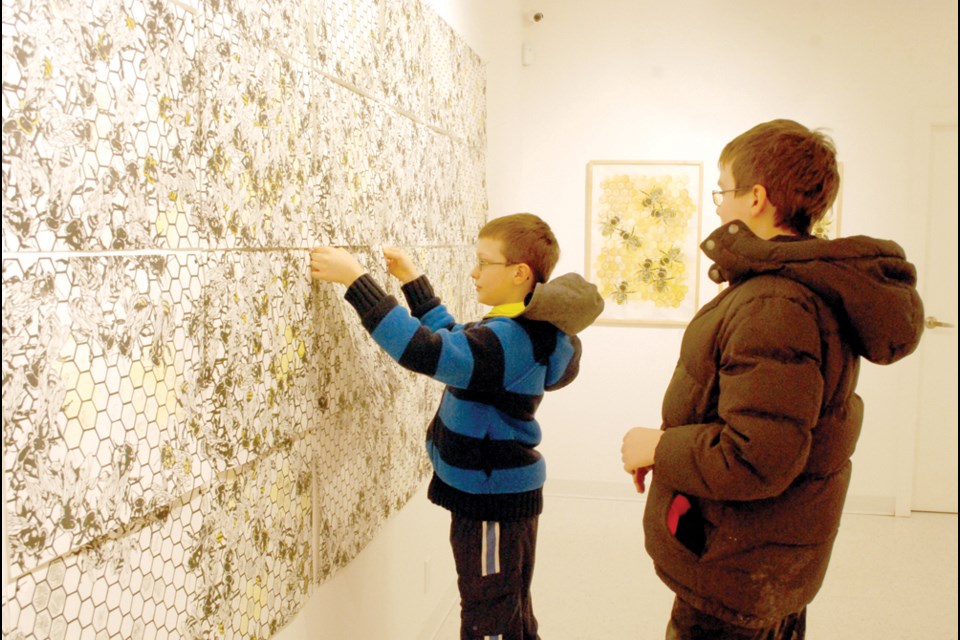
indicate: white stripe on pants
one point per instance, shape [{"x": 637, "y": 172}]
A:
[{"x": 490, "y": 551}]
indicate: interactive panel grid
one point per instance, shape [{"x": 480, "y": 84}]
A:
[{"x": 194, "y": 434}]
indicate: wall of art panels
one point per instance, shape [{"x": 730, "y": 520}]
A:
[{"x": 193, "y": 433}]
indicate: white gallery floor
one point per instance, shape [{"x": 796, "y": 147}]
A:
[{"x": 889, "y": 578}]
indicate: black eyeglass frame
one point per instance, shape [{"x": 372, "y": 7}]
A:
[{"x": 718, "y": 195}]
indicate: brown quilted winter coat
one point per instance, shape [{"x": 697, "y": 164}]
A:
[{"x": 761, "y": 415}]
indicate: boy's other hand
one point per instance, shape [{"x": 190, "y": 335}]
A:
[
  {"x": 400, "y": 265},
  {"x": 333, "y": 264},
  {"x": 639, "y": 446}
]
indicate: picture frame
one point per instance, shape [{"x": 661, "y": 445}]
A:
[{"x": 642, "y": 239}]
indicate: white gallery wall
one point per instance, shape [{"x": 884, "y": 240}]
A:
[{"x": 675, "y": 81}]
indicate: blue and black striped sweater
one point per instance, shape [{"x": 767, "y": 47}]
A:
[{"x": 482, "y": 440}]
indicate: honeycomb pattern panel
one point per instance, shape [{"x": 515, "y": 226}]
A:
[
  {"x": 253, "y": 549},
  {"x": 99, "y": 359},
  {"x": 254, "y": 390},
  {"x": 228, "y": 561},
  {"x": 472, "y": 191},
  {"x": 431, "y": 185},
  {"x": 99, "y": 106},
  {"x": 401, "y": 163},
  {"x": 326, "y": 194},
  {"x": 381, "y": 48},
  {"x": 456, "y": 84},
  {"x": 455, "y": 206},
  {"x": 349, "y": 511},
  {"x": 395, "y": 180},
  {"x": 404, "y": 45},
  {"x": 347, "y": 34},
  {"x": 348, "y": 205},
  {"x": 276, "y": 25},
  {"x": 471, "y": 96},
  {"x": 255, "y": 139},
  {"x": 419, "y": 199},
  {"x": 417, "y": 186}
]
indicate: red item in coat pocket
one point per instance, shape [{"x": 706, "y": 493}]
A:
[{"x": 678, "y": 506}]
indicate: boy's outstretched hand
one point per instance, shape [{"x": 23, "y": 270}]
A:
[
  {"x": 333, "y": 264},
  {"x": 400, "y": 265},
  {"x": 639, "y": 446}
]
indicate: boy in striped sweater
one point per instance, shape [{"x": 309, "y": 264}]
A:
[{"x": 482, "y": 441}]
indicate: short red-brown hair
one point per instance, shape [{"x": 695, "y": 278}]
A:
[
  {"x": 797, "y": 167},
  {"x": 526, "y": 239}
]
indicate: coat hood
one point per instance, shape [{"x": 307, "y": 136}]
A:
[
  {"x": 568, "y": 302},
  {"x": 868, "y": 283}
]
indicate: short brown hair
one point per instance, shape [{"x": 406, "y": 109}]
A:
[
  {"x": 797, "y": 167},
  {"x": 526, "y": 239}
]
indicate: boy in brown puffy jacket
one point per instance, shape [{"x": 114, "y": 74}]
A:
[{"x": 752, "y": 462}]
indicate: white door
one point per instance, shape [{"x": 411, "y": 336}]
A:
[{"x": 935, "y": 464}]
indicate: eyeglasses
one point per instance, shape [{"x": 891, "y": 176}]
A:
[
  {"x": 483, "y": 263},
  {"x": 718, "y": 195}
]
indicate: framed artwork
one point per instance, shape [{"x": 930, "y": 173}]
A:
[
  {"x": 643, "y": 227},
  {"x": 828, "y": 227}
]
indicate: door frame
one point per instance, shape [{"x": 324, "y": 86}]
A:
[{"x": 924, "y": 121}]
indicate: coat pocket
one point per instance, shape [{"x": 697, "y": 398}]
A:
[{"x": 686, "y": 522}]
